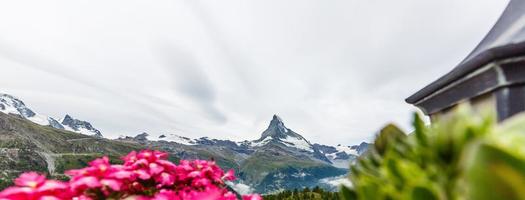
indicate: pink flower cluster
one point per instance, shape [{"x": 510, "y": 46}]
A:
[{"x": 146, "y": 175}]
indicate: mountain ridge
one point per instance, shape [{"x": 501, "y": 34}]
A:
[
  {"x": 12, "y": 105},
  {"x": 279, "y": 159},
  {"x": 276, "y": 134}
]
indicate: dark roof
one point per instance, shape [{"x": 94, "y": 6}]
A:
[{"x": 506, "y": 39}]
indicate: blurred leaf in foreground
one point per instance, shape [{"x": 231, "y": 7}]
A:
[{"x": 465, "y": 156}]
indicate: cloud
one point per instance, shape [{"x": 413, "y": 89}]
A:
[
  {"x": 44, "y": 64},
  {"x": 222, "y": 68},
  {"x": 74, "y": 79},
  {"x": 239, "y": 62},
  {"x": 190, "y": 80}
]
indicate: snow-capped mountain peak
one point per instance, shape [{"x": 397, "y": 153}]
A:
[
  {"x": 361, "y": 148},
  {"x": 274, "y": 138},
  {"x": 276, "y": 129},
  {"x": 277, "y": 132},
  {"x": 12, "y": 105},
  {"x": 79, "y": 126}
]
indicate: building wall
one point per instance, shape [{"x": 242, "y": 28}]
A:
[
  {"x": 497, "y": 87},
  {"x": 484, "y": 104}
]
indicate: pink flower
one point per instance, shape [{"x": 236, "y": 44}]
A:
[
  {"x": 155, "y": 169},
  {"x": 130, "y": 158},
  {"x": 165, "y": 179},
  {"x": 123, "y": 175},
  {"x": 82, "y": 197},
  {"x": 230, "y": 195},
  {"x": 54, "y": 188},
  {"x": 167, "y": 165},
  {"x": 142, "y": 174},
  {"x": 195, "y": 174},
  {"x": 252, "y": 197},
  {"x": 166, "y": 195},
  {"x": 52, "y": 185},
  {"x": 152, "y": 156},
  {"x": 212, "y": 194},
  {"x": 16, "y": 193},
  {"x": 83, "y": 183},
  {"x": 146, "y": 175},
  {"x": 48, "y": 198},
  {"x": 30, "y": 179},
  {"x": 230, "y": 175},
  {"x": 111, "y": 183},
  {"x": 31, "y": 185},
  {"x": 201, "y": 182}
]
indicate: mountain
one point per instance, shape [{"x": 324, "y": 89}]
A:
[
  {"x": 27, "y": 146},
  {"x": 341, "y": 156},
  {"x": 80, "y": 126},
  {"x": 12, "y": 105},
  {"x": 361, "y": 148},
  {"x": 279, "y": 159},
  {"x": 277, "y": 133}
]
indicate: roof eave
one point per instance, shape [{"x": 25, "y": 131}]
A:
[{"x": 482, "y": 59}]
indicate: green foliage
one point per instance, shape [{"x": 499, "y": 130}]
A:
[
  {"x": 466, "y": 156},
  {"x": 316, "y": 193}
]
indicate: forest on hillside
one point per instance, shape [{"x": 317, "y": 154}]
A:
[{"x": 315, "y": 193}]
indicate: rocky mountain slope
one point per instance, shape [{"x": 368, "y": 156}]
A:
[
  {"x": 12, "y": 105},
  {"x": 80, "y": 126},
  {"x": 341, "y": 156}
]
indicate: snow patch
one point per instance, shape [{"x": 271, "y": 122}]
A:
[
  {"x": 12, "y": 105},
  {"x": 261, "y": 143},
  {"x": 86, "y": 132},
  {"x": 342, "y": 161},
  {"x": 339, "y": 163},
  {"x": 174, "y": 138},
  {"x": 337, "y": 181},
  {"x": 241, "y": 188},
  {"x": 299, "y": 175},
  {"x": 39, "y": 119},
  {"x": 80, "y": 130},
  {"x": 347, "y": 150},
  {"x": 298, "y": 143},
  {"x": 8, "y": 109},
  {"x": 243, "y": 143}
]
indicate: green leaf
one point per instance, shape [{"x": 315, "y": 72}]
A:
[
  {"x": 347, "y": 194},
  {"x": 388, "y": 137},
  {"x": 423, "y": 193},
  {"x": 397, "y": 175},
  {"x": 493, "y": 173},
  {"x": 513, "y": 124},
  {"x": 420, "y": 130}
]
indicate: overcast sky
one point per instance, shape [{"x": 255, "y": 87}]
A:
[{"x": 336, "y": 71}]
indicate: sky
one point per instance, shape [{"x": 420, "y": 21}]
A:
[{"x": 335, "y": 71}]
